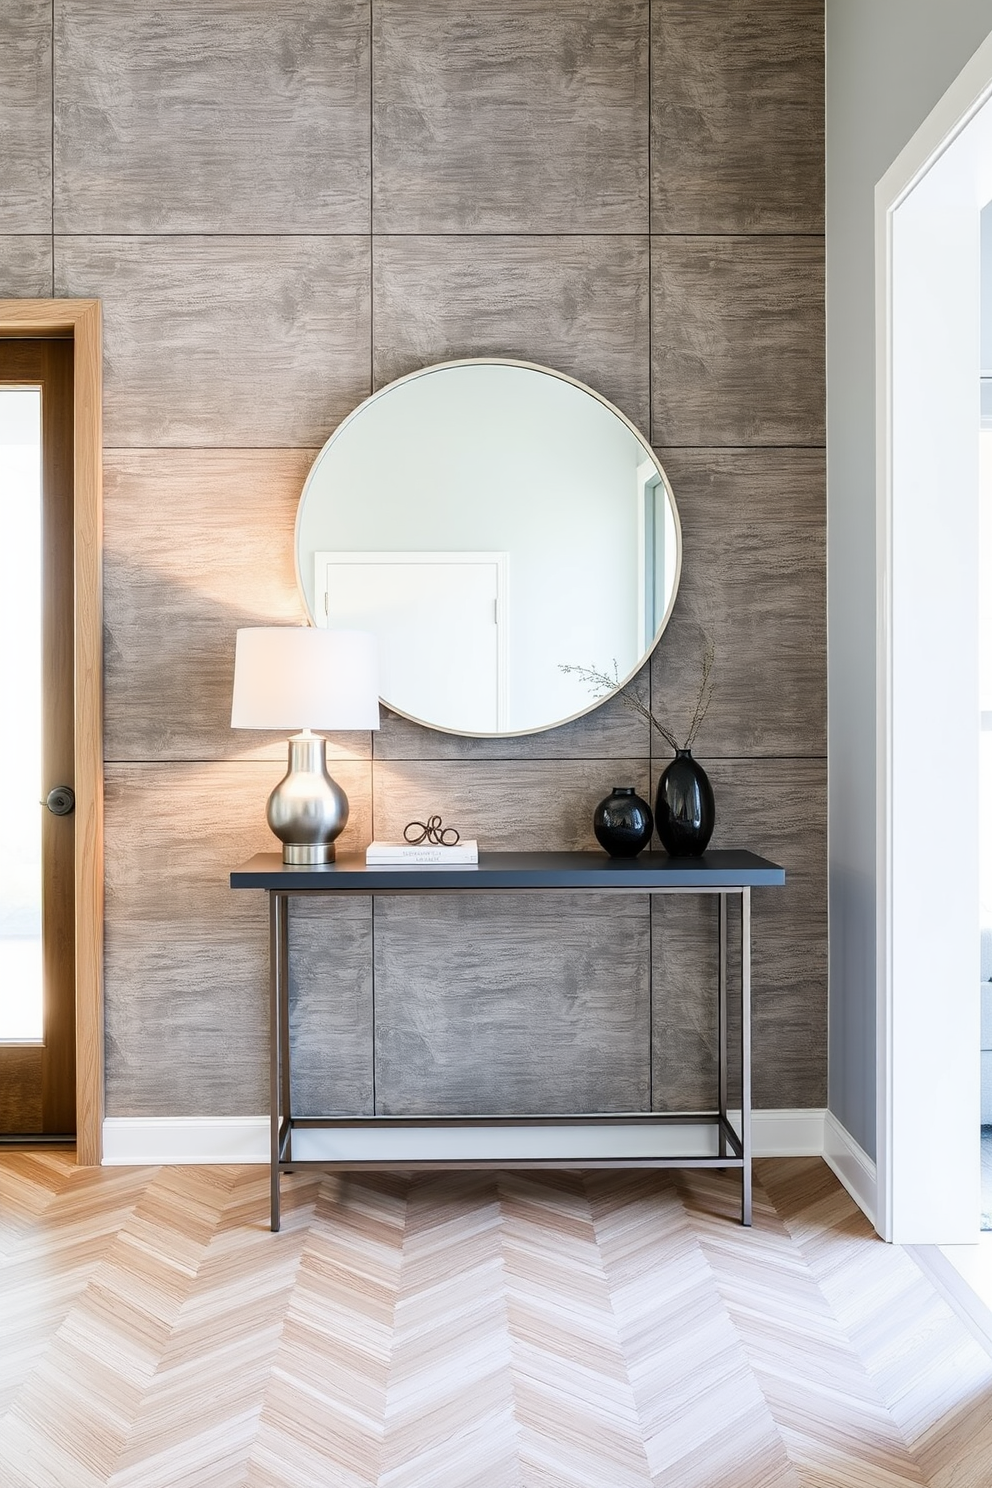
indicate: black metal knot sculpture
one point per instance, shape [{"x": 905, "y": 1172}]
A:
[{"x": 433, "y": 831}]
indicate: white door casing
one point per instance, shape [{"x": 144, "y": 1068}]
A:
[{"x": 927, "y": 210}]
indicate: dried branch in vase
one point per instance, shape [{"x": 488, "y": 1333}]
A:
[{"x": 603, "y": 684}]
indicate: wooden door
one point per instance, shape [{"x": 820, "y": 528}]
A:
[{"x": 37, "y": 1075}]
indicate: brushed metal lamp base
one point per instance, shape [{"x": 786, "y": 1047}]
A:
[
  {"x": 308, "y": 853},
  {"x": 307, "y": 810}
]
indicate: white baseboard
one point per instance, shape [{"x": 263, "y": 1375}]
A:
[
  {"x": 136, "y": 1141},
  {"x": 796, "y": 1133},
  {"x": 851, "y": 1164}
]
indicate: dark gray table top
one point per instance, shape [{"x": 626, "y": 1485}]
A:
[{"x": 722, "y": 869}]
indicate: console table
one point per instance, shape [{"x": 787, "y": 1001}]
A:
[{"x": 626, "y": 1139}]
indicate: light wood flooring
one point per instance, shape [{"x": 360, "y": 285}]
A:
[{"x": 607, "y": 1330}]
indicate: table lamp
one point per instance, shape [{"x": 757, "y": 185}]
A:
[{"x": 304, "y": 678}]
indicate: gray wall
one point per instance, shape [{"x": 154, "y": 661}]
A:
[
  {"x": 888, "y": 62},
  {"x": 285, "y": 206}
]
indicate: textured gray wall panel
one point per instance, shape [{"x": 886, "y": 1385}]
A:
[
  {"x": 330, "y": 1006},
  {"x": 517, "y": 116},
  {"x": 612, "y": 730},
  {"x": 26, "y": 116},
  {"x": 753, "y": 580},
  {"x": 171, "y": 611},
  {"x": 186, "y": 959},
  {"x": 737, "y": 116},
  {"x": 235, "y": 117},
  {"x": 216, "y": 167},
  {"x": 779, "y": 811},
  {"x": 737, "y": 352},
  {"x": 25, "y": 267},
  {"x": 508, "y": 805},
  {"x": 684, "y": 969},
  {"x": 225, "y": 341},
  {"x": 579, "y": 304},
  {"x": 506, "y": 1003}
]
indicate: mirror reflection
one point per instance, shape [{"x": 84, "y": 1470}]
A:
[{"x": 491, "y": 522}]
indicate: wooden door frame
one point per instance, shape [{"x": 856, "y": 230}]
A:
[{"x": 80, "y": 320}]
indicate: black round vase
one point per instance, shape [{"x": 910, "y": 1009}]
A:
[
  {"x": 685, "y": 811},
  {"x": 623, "y": 823}
]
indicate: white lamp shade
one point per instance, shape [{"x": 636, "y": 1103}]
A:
[{"x": 300, "y": 677}]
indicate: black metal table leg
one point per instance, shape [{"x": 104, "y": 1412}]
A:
[
  {"x": 278, "y": 1045},
  {"x": 746, "y": 1055},
  {"x": 722, "y": 1018}
]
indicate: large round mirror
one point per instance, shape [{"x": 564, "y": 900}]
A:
[{"x": 496, "y": 525}]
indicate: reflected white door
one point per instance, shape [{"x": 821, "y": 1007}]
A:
[{"x": 440, "y": 620}]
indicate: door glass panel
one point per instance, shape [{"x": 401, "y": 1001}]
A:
[{"x": 21, "y": 1017}]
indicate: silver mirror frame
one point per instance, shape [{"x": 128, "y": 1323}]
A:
[{"x": 428, "y": 371}]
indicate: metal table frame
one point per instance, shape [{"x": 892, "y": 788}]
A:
[{"x": 733, "y": 1150}]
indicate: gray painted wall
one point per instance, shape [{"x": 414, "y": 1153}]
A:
[
  {"x": 888, "y": 62},
  {"x": 284, "y": 206}
]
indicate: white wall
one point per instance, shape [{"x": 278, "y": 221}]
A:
[
  {"x": 986, "y": 308},
  {"x": 985, "y": 683},
  {"x": 888, "y": 62}
]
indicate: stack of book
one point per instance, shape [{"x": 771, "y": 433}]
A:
[{"x": 426, "y": 854}]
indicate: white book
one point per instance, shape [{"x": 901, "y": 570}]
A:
[{"x": 379, "y": 853}]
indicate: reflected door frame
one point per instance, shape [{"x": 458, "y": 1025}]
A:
[{"x": 80, "y": 320}]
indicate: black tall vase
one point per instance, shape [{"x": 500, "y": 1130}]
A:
[{"x": 685, "y": 812}]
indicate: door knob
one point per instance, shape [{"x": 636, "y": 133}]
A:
[{"x": 61, "y": 801}]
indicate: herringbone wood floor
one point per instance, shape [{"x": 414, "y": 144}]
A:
[{"x": 595, "y": 1331}]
